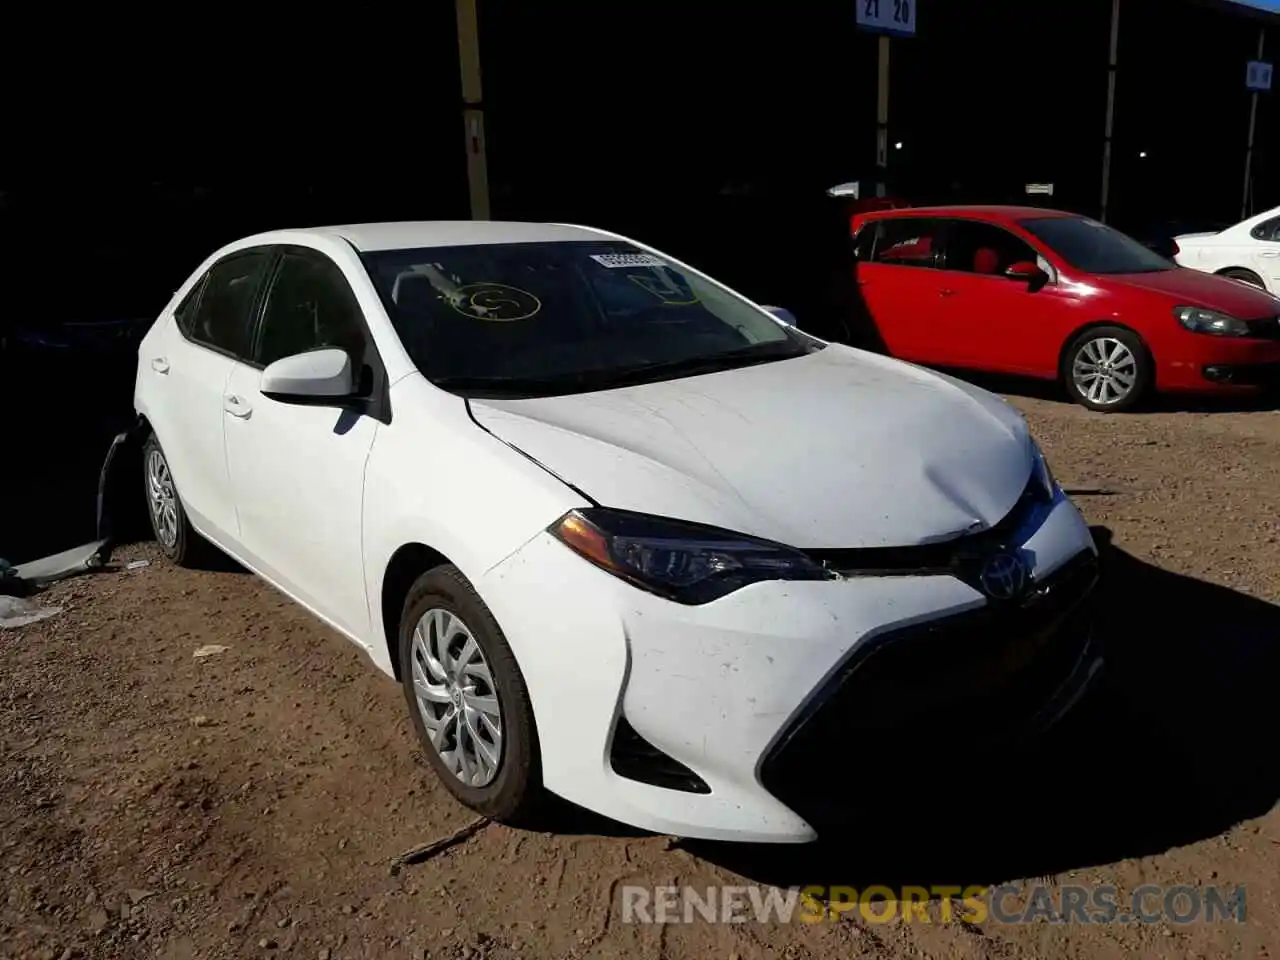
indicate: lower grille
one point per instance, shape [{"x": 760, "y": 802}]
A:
[{"x": 908, "y": 694}]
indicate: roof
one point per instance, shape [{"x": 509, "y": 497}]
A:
[
  {"x": 981, "y": 211},
  {"x": 453, "y": 233}
]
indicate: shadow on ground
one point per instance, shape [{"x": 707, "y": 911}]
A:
[{"x": 1175, "y": 748}]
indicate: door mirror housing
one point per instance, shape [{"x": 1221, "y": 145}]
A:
[
  {"x": 783, "y": 314},
  {"x": 318, "y": 378},
  {"x": 1024, "y": 270}
]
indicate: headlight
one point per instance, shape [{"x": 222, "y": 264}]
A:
[
  {"x": 1199, "y": 320},
  {"x": 1046, "y": 485},
  {"x": 684, "y": 562}
]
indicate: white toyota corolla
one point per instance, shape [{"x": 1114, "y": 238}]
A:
[{"x": 619, "y": 532}]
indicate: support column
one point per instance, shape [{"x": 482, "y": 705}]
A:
[
  {"x": 882, "y": 118},
  {"x": 473, "y": 109},
  {"x": 1111, "y": 109},
  {"x": 1253, "y": 126}
]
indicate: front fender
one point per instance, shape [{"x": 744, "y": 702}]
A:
[{"x": 437, "y": 479}]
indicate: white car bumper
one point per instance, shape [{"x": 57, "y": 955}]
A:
[{"x": 734, "y": 691}]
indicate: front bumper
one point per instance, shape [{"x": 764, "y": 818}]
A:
[
  {"x": 1206, "y": 364},
  {"x": 726, "y": 702}
]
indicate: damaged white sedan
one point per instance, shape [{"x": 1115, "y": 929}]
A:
[{"x": 620, "y": 533}]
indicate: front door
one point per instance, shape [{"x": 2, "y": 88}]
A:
[
  {"x": 297, "y": 472},
  {"x": 992, "y": 321}
]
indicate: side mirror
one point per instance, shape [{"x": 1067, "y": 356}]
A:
[
  {"x": 316, "y": 378},
  {"x": 783, "y": 314},
  {"x": 1027, "y": 271}
]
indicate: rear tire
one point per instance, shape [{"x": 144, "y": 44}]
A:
[
  {"x": 169, "y": 523},
  {"x": 468, "y": 699},
  {"x": 1107, "y": 369},
  {"x": 1244, "y": 276}
]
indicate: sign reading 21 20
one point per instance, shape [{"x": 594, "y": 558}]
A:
[{"x": 887, "y": 16}]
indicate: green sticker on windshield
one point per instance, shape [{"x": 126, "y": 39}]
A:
[{"x": 662, "y": 283}]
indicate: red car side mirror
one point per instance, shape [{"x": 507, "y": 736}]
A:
[{"x": 1024, "y": 270}]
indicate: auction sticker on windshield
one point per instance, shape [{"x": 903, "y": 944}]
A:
[{"x": 615, "y": 260}]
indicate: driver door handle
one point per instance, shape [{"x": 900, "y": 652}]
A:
[
  {"x": 947, "y": 292},
  {"x": 1270, "y": 253},
  {"x": 159, "y": 364},
  {"x": 237, "y": 406}
]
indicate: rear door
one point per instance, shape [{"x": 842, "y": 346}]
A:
[
  {"x": 992, "y": 321},
  {"x": 899, "y": 285},
  {"x": 189, "y": 366},
  {"x": 1266, "y": 253}
]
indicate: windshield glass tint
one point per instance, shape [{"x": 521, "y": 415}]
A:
[
  {"x": 1094, "y": 247},
  {"x": 562, "y": 317}
]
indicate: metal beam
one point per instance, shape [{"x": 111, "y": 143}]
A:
[
  {"x": 882, "y": 117},
  {"x": 1253, "y": 126},
  {"x": 473, "y": 110},
  {"x": 1111, "y": 109}
]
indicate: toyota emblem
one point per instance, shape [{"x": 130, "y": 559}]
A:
[{"x": 1004, "y": 576}]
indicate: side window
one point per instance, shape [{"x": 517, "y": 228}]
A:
[
  {"x": 984, "y": 248},
  {"x": 1268, "y": 230},
  {"x": 185, "y": 314},
  {"x": 311, "y": 305},
  {"x": 908, "y": 242},
  {"x": 229, "y": 289}
]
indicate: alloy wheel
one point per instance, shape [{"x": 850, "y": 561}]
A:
[
  {"x": 454, "y": 690},
  {"x": 1104, "y": 370},
  {"x": 162, "y": 498}
]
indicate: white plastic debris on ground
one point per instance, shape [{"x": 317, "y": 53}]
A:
[
  {"x": 16, "y": 612},
  {"x": 209, "y": 650},
  {"x": 137, "y": 564}
]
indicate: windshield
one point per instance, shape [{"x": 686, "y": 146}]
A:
[
  {"x": 540, "y": 319},
  {"x": 1094, "y": 247}
]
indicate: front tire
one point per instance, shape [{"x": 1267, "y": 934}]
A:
[
  {"x": 1107, "y": 369},
  {"x": 468, "y": 699},
  {"x": 173, "y": 531}
]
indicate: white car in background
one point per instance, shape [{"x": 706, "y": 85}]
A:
[
  {"x": 619, "y": 532},
  {"x": 1249, "y": 251}
]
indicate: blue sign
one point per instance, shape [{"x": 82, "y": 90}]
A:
[{"x": 1258, "y": 76}]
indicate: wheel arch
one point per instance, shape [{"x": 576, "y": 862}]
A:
[
  {"x": 1080, "y": 331},
  {"x": 408, "y": 562},
  {"x": 1238, "y": 269}
]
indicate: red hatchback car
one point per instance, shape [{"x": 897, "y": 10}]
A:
[{"x": 1040, "y": 293}]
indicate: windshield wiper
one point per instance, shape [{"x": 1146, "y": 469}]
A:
[
  {"x": 708, "y": 363},
  {"x": 584, "y": 380}
]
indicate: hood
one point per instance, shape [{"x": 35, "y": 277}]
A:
[
  {"x": 836, "y": 449},
  {"x": 1186, "y": 287}
]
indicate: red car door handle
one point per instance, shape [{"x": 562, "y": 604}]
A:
[{"x": 947, "y": 293}]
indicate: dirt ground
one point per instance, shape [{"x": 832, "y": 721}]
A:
[{"x": 153, "y": 804}]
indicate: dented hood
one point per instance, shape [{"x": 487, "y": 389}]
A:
[{"x": 839, "y": 448}]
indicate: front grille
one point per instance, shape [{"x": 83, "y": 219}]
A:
[{"x": 912, "y": 694}]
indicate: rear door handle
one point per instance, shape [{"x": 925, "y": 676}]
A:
[
  {"x": 237, "y": 406},
  {"x": 159, "y": 364},
  {"x": 947, "y": 293}
]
